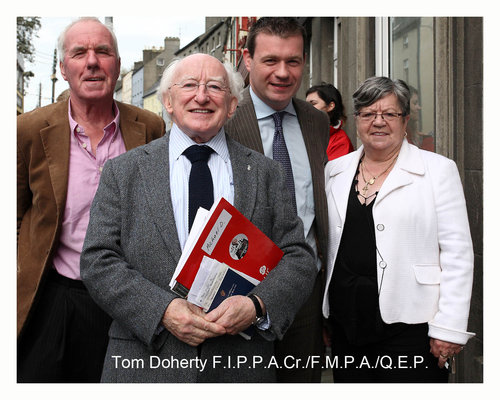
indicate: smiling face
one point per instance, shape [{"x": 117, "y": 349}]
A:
[
  {"x": 379, "y": 135},
  {"x": 275, "y": 68},
  {"x": 199, "y": 113},
  {"x": 90, "y": 66}
]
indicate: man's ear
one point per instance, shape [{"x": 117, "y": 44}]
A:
[
  {"x": 247, "y": 59},
  {"x": 232, "y": 107},
  {"x": 63, "y": 72},
  {"x": 168, "y": 103},
  {"x": 119, "y": 67}
]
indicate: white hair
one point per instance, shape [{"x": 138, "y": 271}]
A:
[
  {"x": 62, "y": 37},
  {"x": 234, "y": 78}
]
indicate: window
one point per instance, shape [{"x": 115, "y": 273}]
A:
[
  {"x": 411, "y": 58},
  {"x": 406, "y": 69}
]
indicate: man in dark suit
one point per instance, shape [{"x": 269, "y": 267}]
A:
[
  {"x": 61, "y": 149},
  {"x": 275, "y": 59},
  {"x": 139, "y": 226}
]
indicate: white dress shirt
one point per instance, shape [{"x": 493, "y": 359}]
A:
[
  {"x": 298, "y": 158},
  {"x": 219, "y": 164}
]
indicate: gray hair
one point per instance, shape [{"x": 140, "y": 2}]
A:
[
  {"x": 235, "y": 80},
  {"x": 62, "y": 36},
  {"x": 376, "y": 87}
]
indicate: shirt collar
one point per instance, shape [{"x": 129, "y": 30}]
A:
[
  {"x": 110, "y": 129},
  {"x": 262, "y": 110},
  {"x": 179, "y": 142}
]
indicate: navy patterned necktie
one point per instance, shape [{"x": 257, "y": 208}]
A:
[
  {"x": 201, "y": 187},
  {"x": 280, "y": 153}
]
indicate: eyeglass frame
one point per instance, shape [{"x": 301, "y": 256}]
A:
[
  {"x": 392, "y": 116},
  {"x": 198, "y": 84}
]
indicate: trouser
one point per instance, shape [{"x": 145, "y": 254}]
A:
[
  {"x": 299, "y": 355},
  {"x": 65, "y": 339},
  {"x": 402, "y": 358}
]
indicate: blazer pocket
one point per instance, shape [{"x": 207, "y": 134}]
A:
[
  {"x": 427, "y": 274},
  {"x": 116, "y": 331}
]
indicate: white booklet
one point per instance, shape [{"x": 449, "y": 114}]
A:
[
  {"x": 207, "y": 282},
  {"x": 216, "y": 281},
  {"x": 194, "y": 234}
]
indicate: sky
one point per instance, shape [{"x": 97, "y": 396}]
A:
[{"x": 133, "y": 34}]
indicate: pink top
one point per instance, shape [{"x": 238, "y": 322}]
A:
[{"x": 83, "y": 179}]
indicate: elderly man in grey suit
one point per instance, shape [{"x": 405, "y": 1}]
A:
[
  {"x": 139, "y": 226},
  {"x": 273, "y": 122}
]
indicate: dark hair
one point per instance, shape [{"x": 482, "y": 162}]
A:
[
  {"x": 328, "y": 93},
  {"x": 276, "y": 26},
  {"x": 376, "y": 87}
]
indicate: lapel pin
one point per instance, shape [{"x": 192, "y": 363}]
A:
[{"x": 249, "y": 167}]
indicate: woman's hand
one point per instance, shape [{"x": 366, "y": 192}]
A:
[{"x": 443, "y": 350}]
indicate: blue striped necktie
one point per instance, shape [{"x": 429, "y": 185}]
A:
[
  {"x": 201, "y": 187},
  {"x": 280, "y": 153}
]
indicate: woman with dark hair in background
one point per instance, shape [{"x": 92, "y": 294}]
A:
[{"x": 327, "y": 98}]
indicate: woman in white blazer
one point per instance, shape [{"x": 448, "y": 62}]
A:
[{"x": 400, "y": 259}]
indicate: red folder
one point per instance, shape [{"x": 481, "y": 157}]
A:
[{"x": 229, "y": 237}]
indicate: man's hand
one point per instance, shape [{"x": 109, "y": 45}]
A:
[
  {"x": 235, "y": 314},
  {"x": 187, "y": 323}
]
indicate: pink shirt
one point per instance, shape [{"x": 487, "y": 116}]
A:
[{"x": 84, "y": 173}]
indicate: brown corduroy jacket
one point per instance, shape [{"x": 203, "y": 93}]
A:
[{"x": 43, "y": 141}]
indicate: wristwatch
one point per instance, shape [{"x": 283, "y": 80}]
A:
[{"x": 259, "y": 315}]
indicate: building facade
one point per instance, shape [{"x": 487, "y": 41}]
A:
[
  {"x": 212, "y": 42},
  {"x": 152, "y": 102},
  {"x": 138, "y": 84},
  {"x": 127, "y": 87},
  {"x": 156, "y": 60}
]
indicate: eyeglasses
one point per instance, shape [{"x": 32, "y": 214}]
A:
[
  {"x": 190, "y": 86},
  {"x": 367, "y": 116}
]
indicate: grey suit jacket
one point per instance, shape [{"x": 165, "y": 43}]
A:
[
  {"x": 315, "y": 127},
  {"x": 131, "y": 251}
]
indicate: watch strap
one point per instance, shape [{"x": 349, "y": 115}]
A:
[{"x": 258, "y": 309}]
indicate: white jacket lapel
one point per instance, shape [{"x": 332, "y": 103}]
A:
[{"x": 408, "y": 164}]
